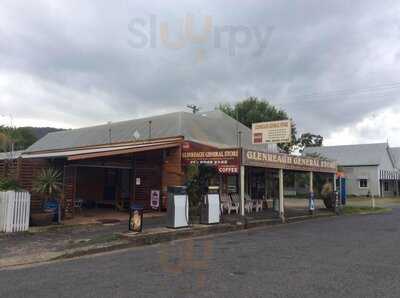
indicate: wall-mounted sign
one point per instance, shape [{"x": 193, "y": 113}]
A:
[
  {"x": 227, "y": 161},
  {"x": 138, "y": 181},
  {"x": 228, "y": 169},
  {"x": 272, "y": 132},
  {"x": 155, "y": 199},
  {"x": 288, "y": 162}
]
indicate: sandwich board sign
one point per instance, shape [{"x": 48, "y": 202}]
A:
[{"x": 272, "y": 132}]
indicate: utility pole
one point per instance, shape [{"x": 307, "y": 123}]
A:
[
  {"x": 109, "y": 132},
  {"x": 194, "y": 108},
  {"x": 150, "y": 122}
]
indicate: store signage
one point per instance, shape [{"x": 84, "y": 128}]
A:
[
  {"x": 155, "y": 199},
  {"x": 289, "y": 162},
  {"x": 227, "y": 169},
  {"x": 272, "y": 132},
  {"x": 227, "y": 161}
]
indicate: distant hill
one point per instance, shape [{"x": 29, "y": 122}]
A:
[{"x": 40, "y": 132}]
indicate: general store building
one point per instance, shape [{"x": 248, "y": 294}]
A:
[{"x": 119, "y": 163}]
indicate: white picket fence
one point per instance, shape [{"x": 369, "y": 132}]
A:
[{"x": 14, "y": 211}]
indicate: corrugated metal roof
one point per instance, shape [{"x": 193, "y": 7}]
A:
[
  {"x": 107, "y": 150},
  {"x": 396, "y": 156},
  {"x": 214, "y": 128},
  {"x": 352, "y": 155}
]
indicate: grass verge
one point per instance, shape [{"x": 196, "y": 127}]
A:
[{"x": 348, "y": 210}]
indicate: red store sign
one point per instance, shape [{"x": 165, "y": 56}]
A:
[{"x": 227, "y": 161}]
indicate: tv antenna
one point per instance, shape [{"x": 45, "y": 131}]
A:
[{"x": 194, "y": 108}]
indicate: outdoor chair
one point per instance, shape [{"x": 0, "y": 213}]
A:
[
  {"x": 78, "y": 205},
  {"x": 235, "y": 201},
  {"x": 226, "y": 204},
  {"x": 248, "y": 203},
  {"x": 258, "y": 205}
]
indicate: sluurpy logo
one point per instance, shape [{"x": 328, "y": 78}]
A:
[{"x": 149, "y": 32}]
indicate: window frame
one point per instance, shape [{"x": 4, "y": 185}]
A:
[
  {"x": 386, "y": 186},
  {"x": 366, "y": 183}
]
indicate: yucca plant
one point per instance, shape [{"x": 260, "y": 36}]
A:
[{"x": 48, "y": 183}]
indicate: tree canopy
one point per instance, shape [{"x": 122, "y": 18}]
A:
[
  {"x": 20, "y": 137},
  {"x": 309, "y": 140},
  {"x": 253, "y": 110}
]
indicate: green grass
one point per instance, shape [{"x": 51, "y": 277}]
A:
[{"x": 364, "y": 210}]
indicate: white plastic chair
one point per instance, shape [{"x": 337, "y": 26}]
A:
[
  {"x": 226, "y": 204},
  {"x": 235, "y": 202}
]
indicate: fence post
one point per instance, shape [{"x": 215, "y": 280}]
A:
[{"x": 14, "y": 211}]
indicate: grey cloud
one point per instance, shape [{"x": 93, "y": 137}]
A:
[{"x": 80, "y": 54}]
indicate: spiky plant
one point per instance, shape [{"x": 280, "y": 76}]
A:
[{"x": 48, "y": 183}]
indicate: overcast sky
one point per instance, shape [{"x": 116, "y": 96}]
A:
[{"x": 332, "y": 65}]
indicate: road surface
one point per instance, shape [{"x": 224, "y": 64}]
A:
[{"x": 349, "y": 256}]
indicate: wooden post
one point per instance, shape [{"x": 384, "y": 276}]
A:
[
  {"x": 334, "y": 182},
  {"x": 311, "y": 203},
  {"x": 242, "y": 173},
  {"x": 281, "y": 205},
  {"x": 266, "y": 183}
]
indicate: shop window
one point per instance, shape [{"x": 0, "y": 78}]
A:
[
  {"x": 232, "y": 183},
  {"x": 363, "y": 183},
  {"x": 386, "y": 186}
]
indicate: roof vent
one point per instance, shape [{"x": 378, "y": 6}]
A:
[{"x": 136, "y": 135}]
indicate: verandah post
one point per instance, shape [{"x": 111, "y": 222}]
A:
[
  {"x": 311, "y": 204},
  {"x": 242, "y": 173},
  {"x": 281, "y": 205}
]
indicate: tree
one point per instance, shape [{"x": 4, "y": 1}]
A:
[
  {"x": 309, "y": 140},
  {"x": 16, "y": 138},
  {"x": 253, "y": 110}
]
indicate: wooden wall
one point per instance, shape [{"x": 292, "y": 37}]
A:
[
  {"x": 172, "y": 172},
  {"x": 90, "y": 183},
  {"x": 156, "y": 169},
  {"x": 24, "y": 171},
  {"x": 147, "y": 168}
]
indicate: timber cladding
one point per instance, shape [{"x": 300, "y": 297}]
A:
[
  {"x": 287, "y": 162},
  {"x": 147, "y": 175},
  {"x": 172, "y": 173},
  {"x": 69, "y": 191},
  {"x": 29, "y": 169}
]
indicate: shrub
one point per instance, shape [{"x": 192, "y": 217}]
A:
[{"x": 9, "y": 184}]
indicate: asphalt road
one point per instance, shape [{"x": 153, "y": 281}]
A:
[{"x": 351, "y": 256}]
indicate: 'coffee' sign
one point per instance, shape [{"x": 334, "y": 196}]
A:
[{"x": 285, "y": 161}]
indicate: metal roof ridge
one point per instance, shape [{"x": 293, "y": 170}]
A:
[{"x": 99, "y": 146}]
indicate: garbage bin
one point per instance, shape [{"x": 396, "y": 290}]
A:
[
  {"x": 177, "y": 207},
  {"x": 136, "y": 217},
  {"x": 210, "y": 209},
  {"x": 52, "y": 206},
  {"x": 311, "y": 203}
]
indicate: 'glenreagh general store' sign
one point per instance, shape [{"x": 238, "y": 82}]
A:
[{"x": 288, "y": 162}]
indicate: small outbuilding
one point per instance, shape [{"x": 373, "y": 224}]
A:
[{"x": 370, "y": 169}]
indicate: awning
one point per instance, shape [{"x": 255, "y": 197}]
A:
[
  {"x": 389, "y": 175},
  {"x": 107, "y": 150}
]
